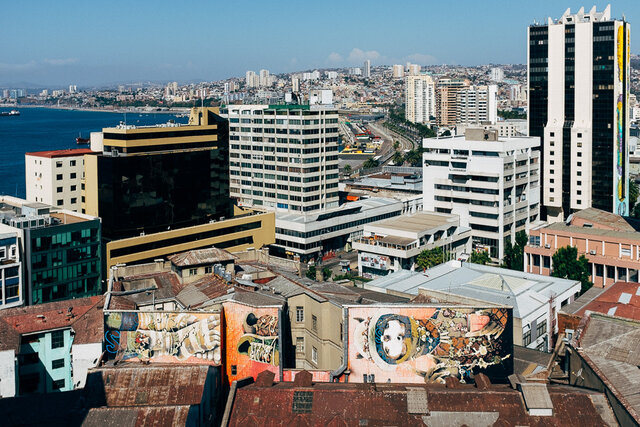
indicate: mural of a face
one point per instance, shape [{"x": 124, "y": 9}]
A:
[{"x": 393, "y": 340}]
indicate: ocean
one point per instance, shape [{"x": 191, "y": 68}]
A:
[{"x": 40, "y": 129}]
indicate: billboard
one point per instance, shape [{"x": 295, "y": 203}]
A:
[
  {"x": 163, "y": 337},
  {"x": 252, "y": 338},
  {"x": 418, "y": 344}
]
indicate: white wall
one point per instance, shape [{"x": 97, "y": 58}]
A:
[
  {"x": 84, "y": 357},
  {"x": 7, "y": 373}
]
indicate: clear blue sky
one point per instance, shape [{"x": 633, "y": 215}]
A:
[{"x": 101, "y": 42}]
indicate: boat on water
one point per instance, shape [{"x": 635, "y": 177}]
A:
[
  {"x": 82, "y": 141},
  {"x": 10, "y": 113}
]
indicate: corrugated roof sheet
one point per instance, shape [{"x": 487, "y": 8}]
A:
[{"x": 201, "y": 257}]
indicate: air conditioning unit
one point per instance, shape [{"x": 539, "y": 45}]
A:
[
  {"x": 547, "y": 246},
  {"x": 592, "y": 252}
]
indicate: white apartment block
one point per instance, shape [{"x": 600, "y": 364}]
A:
[
  {"x": 420, "y": 98},
  {"x": 491, "y": 183},
  {"x": 497, "y": 74},
  {"x": 398, "y": 71},
  {"x": 478, "y": 104},
  {"x": 366, "y": 69},
  {"x": 55, "y": 177},
  {"x": 283, "y": 157}
]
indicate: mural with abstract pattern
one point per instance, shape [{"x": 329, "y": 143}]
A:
[{"x": 428, "y": 344}]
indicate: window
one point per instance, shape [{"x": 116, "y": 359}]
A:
[
  {"x": 234, "y": 369},
  {"x": 59, "y": 190},
  {"x": 58, "y": 177},
  {"x": 73, "y": 187},
  {"x": 314, "y": 355},
  {"x": 59, "y": 202},
  {"x": 300, "y": 345},
  {"x": 29, "y": 383},
  {"x": 579, "y": 135},
  {"x": 73, "y": 175},
  {"x": 57, "y": 339},
  {"x": 57, "y": 364},
  {"x": 58, "y": 384},
  {"x": 193, "y": 271},
  {"x": 526, "y": 338},
  {"x": 74, "y": 200},
  {"x": 73, "y": 162},
  {"x": 208, "y": 269},
  {"x": 58, "y": 164},
  {"x": 299, "y": 314},
  {"x": 314, "y": 322},
  {"x": 541, "y": 328}
]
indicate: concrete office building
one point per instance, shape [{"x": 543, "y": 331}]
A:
[
  {"x": 59, "y": 249},
  {"x": 491, "y": 183},
  {"x": 284, "y": 157},
  {"x": 395, "y": 243},
  {"x": 55, "y": 177},
  {"x": 477, "y": 104},
  {"x": 312, "y": 235},
  {"x": 366, "y": 69},
  {"x": 578, "y": 72},
  {"x": 419, "y": 98},
  {"x": 165, "y": 189},
  {"x": 447, "y": 100}
]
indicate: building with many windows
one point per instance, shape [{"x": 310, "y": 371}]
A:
[
  {"x": 55, "y": 177},
  {"x": 164, "y": 189},
  {"x": 60, "y": 250},
  {"x": 492, "y": 183},
  {"x": 420, "y": 98},
  {"x": 478, "y": 104},
  {"x": 11, "y": 289},
  {"x": 283, "y": 157},
  {"x": 578, "y": 73},
  {"x": 446, "y": 94}
]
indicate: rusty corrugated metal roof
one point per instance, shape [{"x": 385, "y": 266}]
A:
[
  {"x": 201, "y": 257},
  {"x": 350, "y": 404}
]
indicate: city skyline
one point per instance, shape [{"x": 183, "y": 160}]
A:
[{"x": 134, "y": 43}]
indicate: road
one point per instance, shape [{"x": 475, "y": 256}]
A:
[{"x": 405, "y": 144}]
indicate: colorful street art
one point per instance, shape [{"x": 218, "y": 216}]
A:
[
  {"x": 163, "y": 337},
  {"x": 621, "y": 190},
  {"x": 428, "y": 344},
  {"x": 252, "y": 340}
]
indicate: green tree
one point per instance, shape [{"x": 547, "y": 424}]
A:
[
  {"x": 398, "y": 159},
  {"x": 311, "y": 272},
  {"x": 414, "y": 158},
  {"x": 347, "y": 168},
  {"x": 567, "y": 265},
  {"x": 430, "y": 257},
  {"x": 326, "y": 273},
  {"x": 514, "y": 253},
  {"x": 479, "y": 257},
  {"x": 396, "y": 145},
  {"x": 370, "y": 163},
  {"x": 633, "y": 194}
]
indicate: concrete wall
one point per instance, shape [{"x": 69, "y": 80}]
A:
[
  {"x": 84, "y": 357},
  {"x": 7, "y": 373}
]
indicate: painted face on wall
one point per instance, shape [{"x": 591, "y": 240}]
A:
[{"x": 393, "y": 340}]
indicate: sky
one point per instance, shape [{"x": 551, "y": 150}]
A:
[{"x": 92, "y": 43}]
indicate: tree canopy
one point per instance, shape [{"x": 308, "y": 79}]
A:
[
  {"x": 480, "y": 257},
  {"x": 370, "y": 163},
  {"x": 430, "y": 257},
  {"x": 514, "y": 253},
  {"x": 567, "y": 265}
]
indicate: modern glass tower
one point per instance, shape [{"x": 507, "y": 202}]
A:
[{"x": 578, "y": 72}]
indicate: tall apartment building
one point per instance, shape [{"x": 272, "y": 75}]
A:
[
  {"x": 492, "y": 183},
  {"x": 54, "y": 177},
  {"x": 283, "y": 157},
  {"x": 165, "y": 189},
  {"x": 578, "y": 72},
  {"x": 419, "y": 98},
  {"x": 477, "y": 104},
  {"x": 252, "y": 79},
  {"x": 59, "y": 249},
  {"x": 413, "y": 69},
  {"x": 496, "y": 74},
  {"x": 366, "y": 70},
  {"x": 11, "y": 288},
  {"x": 398, "y": 71},
  {"x": 264, "y": 78},
  {"x": 447, "y": 100}
]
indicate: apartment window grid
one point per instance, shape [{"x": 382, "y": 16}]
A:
[
  {"x": 314, "y": 355},
  {"x": 299, "y": 314},
  {"x": 541, "y": 328},
  {"x": 299, "y": 344},
  {"x": 314, "y": 323}
]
